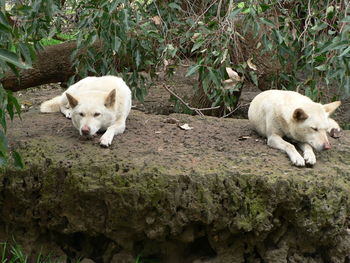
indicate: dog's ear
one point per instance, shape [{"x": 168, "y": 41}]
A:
[
  {"x": 300, "y": 115},
  {"x": 331, "y": 107},
  {"x": 110, "y": 100},
  {"x": 72, "y": 101}
]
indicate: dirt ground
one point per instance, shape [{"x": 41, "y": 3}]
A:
[{"x": 159, "y": 128}]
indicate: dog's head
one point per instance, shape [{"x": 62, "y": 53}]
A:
[
  {"x": 92, "y": 112},
  {"x": 311, "y": 123}
]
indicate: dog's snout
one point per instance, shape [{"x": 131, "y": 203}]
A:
[
  {"x": 85, "y": 130},
  {"x": 327, "y": 146}
]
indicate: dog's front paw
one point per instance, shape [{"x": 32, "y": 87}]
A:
[
  {"x": 310, "y": 157},
  {"x": 68, "y": 114},
  {"x": 106, "y": 140},
  {"x": 335, "y": 133},
  {"x": 297, "y": 160}
]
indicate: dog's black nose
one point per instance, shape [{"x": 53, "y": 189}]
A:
[
  {"x": 85, "y": 130},
  {"x": 327, "y": 146}
]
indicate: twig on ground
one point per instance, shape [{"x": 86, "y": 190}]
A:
[
  {"x": 198, "y": 111},
  {"x": 64, "y": 126},
  {"x": 235, "y": 109}
]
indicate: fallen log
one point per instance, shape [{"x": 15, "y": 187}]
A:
[{"x": 53, "y": 64}]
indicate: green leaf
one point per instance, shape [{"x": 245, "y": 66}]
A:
[
  {"x": 18, "y": 160},
  {"x": 126, "y": 19},
  {"x": 192, "y": 70},
  {"x": 12, "y": 58},
  {"x": 235, "y": 12},
  {"x": 213, "y": 77},
  {"x": 138, "y": 58},
  {"x": 335, "y": 45},
  {"x": 3, "y": 20},
  {"x": 116, "y": 43},
  {"x": 13, "y": 68},
  {"x": 320, "y": 59},
  {"x": 91, "y": 38},
  {"x": 3, "y": 120},
  {"x": 197, "y": 45},
  {"x": 113, "y": 6},
  {"x": 345, "y": 52},
  {"x": 218, "y": 101},
  {"x": 330, "y": 9},
  {"x": 10, "y": 111},
  {"x": 278, "y": 36},
  {"x": 4, "y": 29},
  {"x": 241, "y": 4},
  {"x": 267, "y": 22},
  {"x": 139, "y": 95},
  {"x": 267, "y": 43},
  {"x": 264, "y": 7},
  {"x": 345, "y": 19},
  {"x": 319, "y": 27},
  {"x": 175, "y": 6},
  {"x": 3, "y": 162},
  {"x": 25, "y": 51},
  {"x": 13, "y": 102},
  {"x": 322, "y": 67},
  {"x": 254, "y": 77},
  {"x": 171, "y": 50},
  {"x": 3, "y": 144}
]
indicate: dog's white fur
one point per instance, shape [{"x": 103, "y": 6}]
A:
[
  {"x": 93, "y": 104},
  {"x": 276, "y": 114}
]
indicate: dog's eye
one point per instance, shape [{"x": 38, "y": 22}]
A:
[
  {"x": 315, "y": 129},
  {"x": 81, "y": 114},
  {"x": 97, "y": 114}
]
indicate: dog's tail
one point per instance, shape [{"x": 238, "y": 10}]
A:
[{"x": 52, "y": 105}]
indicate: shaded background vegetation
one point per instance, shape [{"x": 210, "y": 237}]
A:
[{"x": 294, "y": 45}]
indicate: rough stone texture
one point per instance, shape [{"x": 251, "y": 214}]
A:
[{"x": 205, "y": 195}]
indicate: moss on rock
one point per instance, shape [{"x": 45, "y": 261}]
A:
[{"x": 174, "y": 195}]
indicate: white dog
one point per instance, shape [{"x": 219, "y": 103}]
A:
[
  {"x": 93, "y": 104},
  {"x": 276, "y": 114}
]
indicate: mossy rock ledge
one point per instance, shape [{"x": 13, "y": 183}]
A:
[{"x": 216, "y": 193}]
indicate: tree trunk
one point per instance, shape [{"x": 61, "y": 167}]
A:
[{"x": 53, "y": 65}]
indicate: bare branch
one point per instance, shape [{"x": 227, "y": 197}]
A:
[
  {"x": 235, "y": 109},
  {"x": 198, "y": 111}
]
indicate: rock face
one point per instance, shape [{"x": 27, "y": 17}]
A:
[{"x": 216, "y": 193}]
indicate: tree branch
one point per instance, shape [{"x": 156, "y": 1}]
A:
[{"x": 198, "y": 111}]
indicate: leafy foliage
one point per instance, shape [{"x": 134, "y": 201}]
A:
[
  {"x": 301, "y": 45},
  {"x": 311, "y": 37},
  {"x": 129, "y": 41},
  {"x": 21, "y": 28}
]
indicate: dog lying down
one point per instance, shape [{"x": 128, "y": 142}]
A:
[
  {"x": 276, "y": 114},
  {"x": 94, "y": 104}
]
